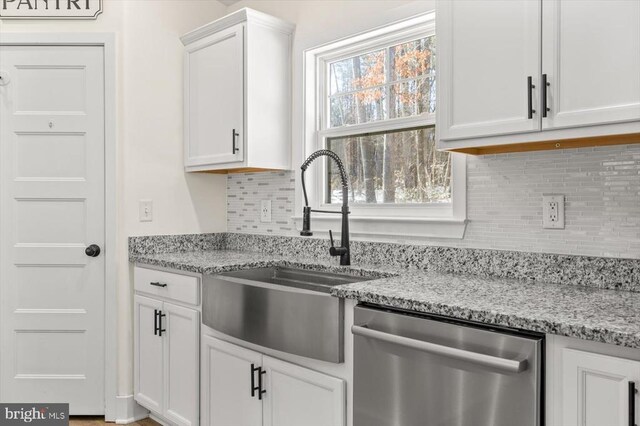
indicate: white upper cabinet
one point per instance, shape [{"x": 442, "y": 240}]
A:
[
  {"x": 214, "y": 93},
  {"x": 591, "y": 57},
  {"x": 487, "y": 52},
  {"x": 237, "y": 94},
  {"x": 583, "y": 59}
]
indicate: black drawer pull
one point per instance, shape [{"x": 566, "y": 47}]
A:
[
  {"x": 158, "y": 284},
  {"x": 254, "y": 388},
  {"x": 258, "y": 388},
  {"x": 155, "y": 322},
  {"x": 545, "y": 85},
  {"x": 160, "y": 329},
  {"x": 234, "y": 134},
  {"x": 530, "y": 87},
  {"x": 632, "y": 403}
]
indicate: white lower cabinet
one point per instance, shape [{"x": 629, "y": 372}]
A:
[
  {"x": 596, "y": 390},
  {"x": 166, "y": 357},
  {"x": 591, "y": 384},
  {"x": 241, "y": 387},
  {"x": 226, "y": 379},
  {"x": 148, "y": 354},
  {"x": 181, "y": 381},
  {"x": 299, "y": 396}
]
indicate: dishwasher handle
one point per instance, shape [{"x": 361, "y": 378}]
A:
[{"x": 503, "y": 364}]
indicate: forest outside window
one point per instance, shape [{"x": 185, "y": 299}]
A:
[
  {"x": 374, "y": 104},
  {"x": 399, "y": 165}
]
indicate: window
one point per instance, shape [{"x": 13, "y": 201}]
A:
[
  {"x": 372, "y": 100},
  {"x": 399, "y": 167}
]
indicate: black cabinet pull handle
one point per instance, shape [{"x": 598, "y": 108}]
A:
[
  {"x": 155, "y": 322},
  {"x": 632, "y": 403},
  {"x": 545, "y": 84},
  {"x": 530, "y": 87},
  {"x": 160, "y": 329},
  {"x": 234, "y": 134},
  {"x": 158, "y": 284},
  {"x": 254, "y": 388},
  {"x": 260, "y": 390}
]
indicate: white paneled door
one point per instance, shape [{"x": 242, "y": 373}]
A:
[{"x": 51, "y": 210}]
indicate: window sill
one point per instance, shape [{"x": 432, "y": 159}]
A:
[{"x": 389, "y": 227}]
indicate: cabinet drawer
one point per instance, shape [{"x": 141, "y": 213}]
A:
[{"x": 183, "y": 288}]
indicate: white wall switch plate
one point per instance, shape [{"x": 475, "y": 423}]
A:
[
  {"x": 553, "y": 211},
  {"x": 145, "y": 212},
  {"x": 265, "y": 211}
]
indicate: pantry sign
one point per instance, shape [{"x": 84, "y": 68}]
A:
[{"x": 50, "y": 9}]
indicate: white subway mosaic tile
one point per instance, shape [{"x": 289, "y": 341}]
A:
[{"x": 601, "y": 185}]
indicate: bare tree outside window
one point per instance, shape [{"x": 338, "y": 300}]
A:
[{"x": 401, "y": 166}]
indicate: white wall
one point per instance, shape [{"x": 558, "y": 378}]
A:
[
  {"x": 151, "y": 154},
  {"x": 149, "y": 135}
]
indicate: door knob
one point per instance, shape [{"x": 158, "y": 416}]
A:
[
  {"x": 4, "y": 78},
  {"x": 92, "y": 251}
]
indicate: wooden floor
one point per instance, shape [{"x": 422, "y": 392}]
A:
[{"x": 99, "y": 421}]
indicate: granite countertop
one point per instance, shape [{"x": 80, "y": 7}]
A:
[{"x": 609, "y": 316}]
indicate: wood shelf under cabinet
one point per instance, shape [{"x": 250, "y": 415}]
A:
[
  {"x": 608, "y": 140},
  {"x": 240, "y": 170}
]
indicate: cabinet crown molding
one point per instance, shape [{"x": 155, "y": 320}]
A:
[{"x": 243, "y": 15}]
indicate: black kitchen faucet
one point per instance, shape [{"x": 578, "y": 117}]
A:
[{"x": 343, "y": 251}]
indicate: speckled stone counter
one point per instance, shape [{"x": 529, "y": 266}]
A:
[
  {"x": 609, "y": 316},
  {"x": 219, "y": 261},
  {"x": 600, "y": 272}
]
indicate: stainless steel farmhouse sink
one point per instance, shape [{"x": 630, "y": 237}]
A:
[{"x": 286, "y": 309}]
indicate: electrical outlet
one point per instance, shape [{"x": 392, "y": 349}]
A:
[
  {"x": 145, "y": 211},
  {"x": 553, "y": 211},
  {"x": 265, "y": 211}
]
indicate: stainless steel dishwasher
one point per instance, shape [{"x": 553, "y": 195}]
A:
[{"x": 421, "y": 370}]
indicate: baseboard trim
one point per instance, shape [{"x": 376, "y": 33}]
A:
[
  {"x": 160, "y": 420},
  {"x": 129, "y": 411}
]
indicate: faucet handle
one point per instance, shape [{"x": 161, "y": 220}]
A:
[{"x": 332, "y": 250}]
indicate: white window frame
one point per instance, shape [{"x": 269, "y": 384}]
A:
[{"x": 442, "y": 220}]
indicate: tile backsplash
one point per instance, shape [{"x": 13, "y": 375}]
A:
[
  {"x": 504, "y": 202},
  {"x": 244, "y": 192}
]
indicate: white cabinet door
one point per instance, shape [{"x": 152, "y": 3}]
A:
[
  {"x": 595, "y": 389},
  {"x": 181, "y": 353},
  {"x": 591, "y": 56},
  {"x": 299, "y": 396},
  {"x": 226, "y": 377},
  {"x": 214, "y": 99},
  {"x": 148, "y": 353},
  {"x": 486, "y": 52}
]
